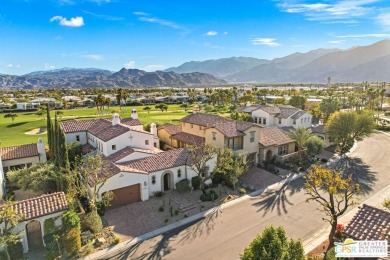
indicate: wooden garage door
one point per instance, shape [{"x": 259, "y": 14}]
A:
[
  {"x": 126, "y": 195},
  {"x": 251, "y": 158}
]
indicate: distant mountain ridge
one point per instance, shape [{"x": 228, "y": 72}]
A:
[
  {"x": 79, "y": 78},
  {"x": 351, "y": 65}
]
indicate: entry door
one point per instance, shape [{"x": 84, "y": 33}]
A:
[{"x": 166, "y": 181}]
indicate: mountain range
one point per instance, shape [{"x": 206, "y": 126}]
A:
[
  {"x": 77, "y": 78},
  {"x": 363, "y": 63}
]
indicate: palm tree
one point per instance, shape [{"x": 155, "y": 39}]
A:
[{"x": 300, "y": 135}]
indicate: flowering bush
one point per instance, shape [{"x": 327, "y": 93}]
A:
[{"x": 339, "y": 230}]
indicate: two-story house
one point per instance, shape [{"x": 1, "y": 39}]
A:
[{"x": 279, "y": 116}]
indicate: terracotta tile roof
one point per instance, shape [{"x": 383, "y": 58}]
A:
[
  {"x": 76, "y": 125},
  {"x": 248, "y": 109},
  {"x": 233, "y": 128},
  {"x": 286, "y": 111},
  {"x": 130, "y": 122},
  {"x": 188, "y": 138},
  {"x": 271, "y": 110},
  {"x": 105, "y": 131},
  {"x": 161, "y": 161},
  {"x": 273, "y": 136},
  {"x": 120, "y": 154},
  {"x": 298, "y": 114},
  {"x": 170, "y": 128},
  {"x": 369, "y": 223},
  {"x": 321, "y": 129},
  {"x": 204, "y": 119},
  {"x": 19, "y": 151},
  {"x": 42, "y": 205},
  {"x": 155, "y": 150}
]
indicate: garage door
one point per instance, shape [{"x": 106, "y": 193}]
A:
[
  {"x": 126, "y": 195},
  {"x": 251, "y": 158}
]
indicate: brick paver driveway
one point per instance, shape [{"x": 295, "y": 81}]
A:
[{"x": 259, "y": 178}]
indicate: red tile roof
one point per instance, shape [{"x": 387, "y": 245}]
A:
[
  {"x": 273, "y": 136},
  {"x": 105, "y": 131},
  {"x": 369, "y": 223},
  {"x": 19, "y": 151},
  {"x": 170, "y": 128},
  {"x": 42, "y": 205},
  {"x": 76, "y": 125},
  {"x": 120, "y": 154},
  {"x": 204, "y": 119},
  {"x": 130, "y": 122},
  {"x": 188, "y": 138},
  {"x": 233, "y": 128},
  {"x": 161, "y": 161}
]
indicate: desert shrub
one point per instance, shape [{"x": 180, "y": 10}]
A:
[
  {"x": 195, "y": 182},
  {"x": 70, "y": 220},
  {"x": 161, "y": 209},
  {"x": 101, "y": 208},
  {"x": 93, "y": 222},
  {"x": 158, "y": 194},
  {"x": 117, "y": 240},
  {"x": 209, "y": 196},
  {"x": 72, "y": 241},
  {"x": 242, "y": 191},
  {"x": 183, "y": 185}
]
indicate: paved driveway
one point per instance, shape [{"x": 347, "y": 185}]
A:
[
  {"x": 259, "y": 178},
  {"x": 225, "y": 236}
]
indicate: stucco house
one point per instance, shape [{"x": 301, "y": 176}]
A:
[
  {"x": 320, "y": 131},
  {"x": 165, "y": 132},
  {"x": 201, "y": 128},
  {"x": 279, "y": 116},
  {"x": 19, "y": 156},
  {"x": 35, "y": 212}
]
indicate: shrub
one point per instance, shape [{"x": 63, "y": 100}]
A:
[
  {"x": 117, "y": 240},
  {"x": 158, "y": 194},
  {"x": 161, "y": 209},
  {"x": 242, "y": 191},
  {"x": 49, "y": 226},
  {"x": 183, "y": 185},
  {"x": 134, "y": 103},
  {"x": 15, "y": 251},
  {"x": 209, "y": 196},
  {"x": 101, "y": 208},
  {"x": 72, "y": 241},
  {"x": 70, "y": 220},
  {"x": 195, "y": 182},
  {"x": 93, "y": 222},
  {"x": 176, "y": 212}
]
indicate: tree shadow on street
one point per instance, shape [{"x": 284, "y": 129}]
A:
[
  {"x": 361, "y": 173},
  {"x": 278, "y": 199}
]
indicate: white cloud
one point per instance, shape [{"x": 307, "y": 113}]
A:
[
  {"x": 95, "y": 57},
  {"x": 338, "y": 10},
  {"x": 368, "y": 35},
  {"x": 73, "y": 22},
  {"x": 105, "y": 17},
  {"x": 47, "y": 66},
  {"x": 130, "y": 65},
  {"x": 211, "y": 33},
  {"x": 336, "y": 42},
  {"x": 13, "y": 65},
  {"x": 384, "y": 20},
  {"x": 154, "y": 67},
  {"x": 57, "y": 38},
  {"x": 265, "y": 41},
  {"x": 140, "y": 13},
  {"x": 225, "y": 33},
  {"x": 144, "y": 17}
]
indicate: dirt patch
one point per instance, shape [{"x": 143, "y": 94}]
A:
[
  {"x": 37, "y": 131},
  {"x": 319, "y": 251}
]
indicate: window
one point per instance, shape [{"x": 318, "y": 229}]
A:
[
  {"x": 154, "y": 179},
  {"x": 146, "y": 142},
  {"x": 192, "y": 125},
  {"x": 294, "y": 121},
  {"x": 155, "y": 144},
  {"x": 214, "y": 136},
  {"x": 301, "y": 120},
  {"x": 305, "y": 120},
  {"x": 231, "y": 143},
  {"x": 264, "y": 121},
  {"x": 205, "y": 172},
  {"x": 113, "y": 147},
  {"x": 77, "y": 138},
  {"x": 200, "y": 128},
  {"x": 282, "y": 150},
  {"x": 280, "y": 121},
  {"x": 179, "y": 173},
  {"x": 252, "y": 137}
]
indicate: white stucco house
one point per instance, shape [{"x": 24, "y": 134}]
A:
[
  {"x": 19, "y": 156},
  {"x": 134, "y": 164},
  {"x": 279, "y": 116},
  {"x": 35, "y": 212}
]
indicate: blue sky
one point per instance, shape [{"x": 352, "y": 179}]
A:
[{"x": 152, "y": 34}]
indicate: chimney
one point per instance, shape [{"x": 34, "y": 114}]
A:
[
  {"x": 41, "y": 150},
  {"x": 115, "y": 119},
  {"x": 153, "y": 129},
  {"x": 134, "y": 114}
]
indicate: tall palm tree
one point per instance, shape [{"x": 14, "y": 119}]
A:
[{"x": 300, "y": 135}]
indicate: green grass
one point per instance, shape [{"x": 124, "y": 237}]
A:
[{"x": 13, "y": 133}]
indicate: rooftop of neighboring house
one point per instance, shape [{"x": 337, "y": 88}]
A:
[
  {"x": 273, "y": 136},
  {"x": 18, "y": 152},
  {"x": 369, "y": 223},
  {"x": 226, "y": 126},
  {"x": 129, "y": 150},
  {"x": 41, "y": 206},
  {"x": 188, "y": 138},
  {"x": 160, "y": 161},
  {"x": 319, "y": 129},
  {"x": 282, "y": 111},
  {"x": 170, "y": 128}
]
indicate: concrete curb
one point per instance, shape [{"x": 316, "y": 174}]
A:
[{"x": 125, "y": 244}]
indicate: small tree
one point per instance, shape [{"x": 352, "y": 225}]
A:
[
  {"x": 200, "y": 155},
  {"x": 9, "y": 219},
  {"x": 346, "y": 127},
  {"x": 147, "y": 109},
  {"x": 329, "y": 106},
  {"x": 185, "y": 105},
  {"x": 333, "y": 192},
  {"x": 11, "y": 115},
  {"x": 298, "y": 101},
  {"x": 163, "y": 107},
  {"x": 60, "y": 113},
  {"x": 40, "y": 113},
  {"x": 315, "y": 145},
  {"x": 273, "y": 244},
  {"x": 301, "y": 135}
]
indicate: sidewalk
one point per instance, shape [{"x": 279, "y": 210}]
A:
[{"x": 375, "y": 200}]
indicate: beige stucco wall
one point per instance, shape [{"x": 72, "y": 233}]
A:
[
  {"x": 195, "y": 129},
  {"x": 219, "y": 140}
]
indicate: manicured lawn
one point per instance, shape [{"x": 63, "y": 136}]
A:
[{"x": 13, "y": 133}]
